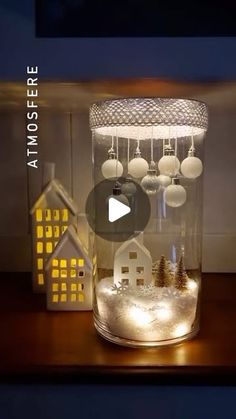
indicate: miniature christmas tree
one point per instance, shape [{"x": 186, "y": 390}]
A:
[
  {"x": 163, "y": 278},
  {"x": 181, "y": 276}
]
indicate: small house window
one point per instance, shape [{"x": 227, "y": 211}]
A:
[
  {"x": 73, "y": 297},
  {"x": 139, "y": 282},
  {"x": 48, "y": 231},
  {"x": 55, "y": 287},
  {"x": 48, "y": 215},
  {"x": 125, "y": 269},
  {"x": 63, "y": 298},
  {"x": 125, "y": 281},
  {"x": 39, "y": 214},
  {"x": 55, "y": 262},
  {"x": 63, "y": 273},
  {"x": 63, "y": 286},
  {"x": 39, "y": 232},
  {"x": 81, "y": 273},
  {"x": 63, "y": 263},
  {"x": 40, "y": 263},
  {"x": 56, "y": 231},
  {"x": 49, "y": 247},
  {"x": 40, "y": 247},
  {"x": 40, "y": 279},
  {"x": 80, "y": 263},
  {"x": 56, "y": 215},
  {"x": 80, "y": 287},
  {"x": 133, "y": 255},
  {"x": 81, "y": 297},
  {"x": 55, "y": 273},
  {"x": 73, "y": 287},
  {"x": 140, "y": 269}
]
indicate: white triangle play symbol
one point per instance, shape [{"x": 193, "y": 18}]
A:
[{"x": 116, "y": 210}]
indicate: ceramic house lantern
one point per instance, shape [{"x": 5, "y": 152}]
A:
[
  {"x": 51, "y": 215},
  {"x": 148, "y": 153},
  {"x": 132, "y": 264},
  {"x": 69, "y": 274}
]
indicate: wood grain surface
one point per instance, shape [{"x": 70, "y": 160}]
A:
[{"x": 62, "y": 346}]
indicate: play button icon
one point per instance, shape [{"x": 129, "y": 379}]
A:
[{"x": 116, "y": 209}]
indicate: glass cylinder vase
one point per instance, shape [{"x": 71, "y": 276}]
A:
[{"x": 147, "y": 283}]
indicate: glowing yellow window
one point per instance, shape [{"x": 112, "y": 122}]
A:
[
  {"x": 80, "y": 287},
  {"x": 55, "y": 243},
  {"x": 40, "y": 279},
  {"x": 81, "y": 297},
  {"x": 39, "y": 232},
  {"x": 73, "y": 273},
  {"x": 63, "y": 297},
  {"x": 64, "y": 214},
  {"x": 48, "y": 231},
  {"x": 63, "y": 263},
  {"x": 48, "y": 215},
  {"x": 63, "y": 273},
  {"x": 40, "y": 247},
  {"x": 73, "y": 297},
  {"x": 63, "y": 286},
  {"x": 49, "y": 247},
  {"x": 56, "y": 231},
  {"x": 80, "y": 263},
  {"x": 40, "y": 263},
  {"x": 73, "y": 263},
  {"x": 55, "y": 262},
  {"x": 73, "y": 287},
  {"x": 55, "y": 273},
  {"x": 55, "y": 287},
  {"x": 55, "y": 298},
  {"x": 63, "y": 229},
  {"x": 56, "y": 215},
  {"x": 39, "y": 214}
]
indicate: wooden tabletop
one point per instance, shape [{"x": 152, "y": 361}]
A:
[{"x": 64, "y": 346}]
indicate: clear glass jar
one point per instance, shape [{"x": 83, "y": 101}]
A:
[{"x": 147, "y": 286}]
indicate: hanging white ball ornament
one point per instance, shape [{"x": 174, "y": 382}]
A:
[
  {"x": 169, "y": 165},
  {"x": 150, "y": 182},
  {"x": 138, "y": 166},
  {"x": 191, "y": 167},
  {"x": 112, "y": 168},
  {"x": 164, "y": 180},
  {"x": 175, "y": 195}
]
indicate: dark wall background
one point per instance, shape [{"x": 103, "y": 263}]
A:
[{"x": 188, "y": 59}]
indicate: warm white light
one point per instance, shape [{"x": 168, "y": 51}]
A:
[
  {"x": 191, "y": 285},
  {"x": 164, "y": 313},
  {"x": 112, "y": 168},
  {"x": 169, "y": 165},
  {"x": 175, "y": 195},
  {"x": 138, "y": 316},
  {"x": 164, "y": 180},
  {"x": 181, "y": 329},
  {"x": 138, "y": 167},
  {"x": 191, "y": 167}
]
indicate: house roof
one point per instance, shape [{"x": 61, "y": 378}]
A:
[
  {"x": 54, "y": 186},
  {"x": 127, "y": 244},
  {"x": 70, "y": 234}
]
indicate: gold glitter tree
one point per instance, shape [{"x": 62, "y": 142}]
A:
[
  {"x": 163, "y": 278},
  {"x": 181, "y": 276}
]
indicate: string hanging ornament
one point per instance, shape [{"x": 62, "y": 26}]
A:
[
  {"x": 150, "y": 182},
  {"x": 138, "y": 166},
  {"x": 112, "y": 167},
  {"x": 191, "y": 166}
]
